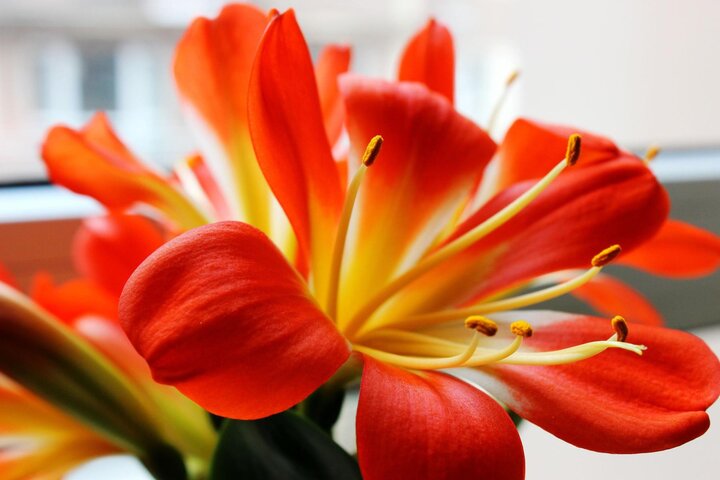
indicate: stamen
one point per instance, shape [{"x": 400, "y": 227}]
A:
[
  {"x": 620, "y": 326},
  {"x": 492, "y": 119},
  {"x": 422, "y": 363},
  {"x": 459, "y": 244},
  {"x": 428, "y": 343},
  {"x": 520, "y": 301},
  {"x": 482, "y": 324},
  {"x": 521, "y": 328},
  {"x": 606, "y": 256},
  {"x": 368, "y": 158},
  {"x": 651, "y": 153},
  {"x": 571, "y": 354}
]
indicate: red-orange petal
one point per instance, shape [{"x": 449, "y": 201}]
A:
[
  {"x": 429, "y": 58},
  {"x": 617, "y": 401},
  {"x": 108, "y": 249},
  {"x": 220, "y": 314},
  {"x": 334, "y": 60},
  {"x": 678, "y": 250},
  {"x": 407, "y": 427},
  {"x": 71, "y": 300},
  {"x": 212, "y": 67},
  {"x": 431, "y": 159},
  {"x": 93, "y": 161},
  {"x": 530, "y": 149},
  {"x": 609, "y": 296},
  {"x": 290, "y": 142},
  {"x": 581, "y": 213},
  {"x": 213, "y": 62}
]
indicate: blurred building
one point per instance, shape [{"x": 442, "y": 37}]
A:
[
  {"x": 641, "y": 71},
  {"x": 62, "y": 60}
]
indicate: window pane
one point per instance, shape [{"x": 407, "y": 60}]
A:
[{"x": 98, "y": 77}]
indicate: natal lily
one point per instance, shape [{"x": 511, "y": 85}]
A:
[
  {"x": 66, "y": 346},
  {"x": 395, "y": 277}
]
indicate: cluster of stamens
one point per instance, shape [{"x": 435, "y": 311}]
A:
[{"x": 402, "y": 342}]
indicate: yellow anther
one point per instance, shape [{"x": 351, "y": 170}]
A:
[
  {"x": 193, "y": 161},
  {"x": 606, "y": 256},
  {"x": 372, "y": 150},
  {"x": 521, "y": 328},
  {"x": 620, "y": 326},
  {"x": 481, "y": 324},
  {"x": 651, "y": 153},
  {"x": 512, "y": 77},
  {"x": 573, "y": 149}
]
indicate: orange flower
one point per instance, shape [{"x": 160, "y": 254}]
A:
[{"x": 404, "y": 273}]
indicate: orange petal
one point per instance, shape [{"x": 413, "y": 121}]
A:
[
  {"x": 290, "y": 141},
  {"x": 678, "y": 250},
  {"x": 92, "y": 161},
  {"x": 530, "y": 149},
  {"x": 212, "y": 65},
  {"x": 108, "y": 249},
  {"x": 212, "y": 69},
  {"x": 609, "y": 296},
  {"x": 615, "y": 402},
  {"x": 73, "y": 299},
  {"x": 220, "y": 314},
  {"x": 333, "y": 61},
  {"x": 408, "y": 427},
  {"x": 429, "y": 58}
]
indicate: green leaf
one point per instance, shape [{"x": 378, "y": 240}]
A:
[
  {"x": 285, "y": 446},
  {"x": 323, "y": 407}
]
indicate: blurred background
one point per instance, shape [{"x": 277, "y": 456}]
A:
[
  {"x": 640, "y": 71},
  {"x": 644, "y": 72}
]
